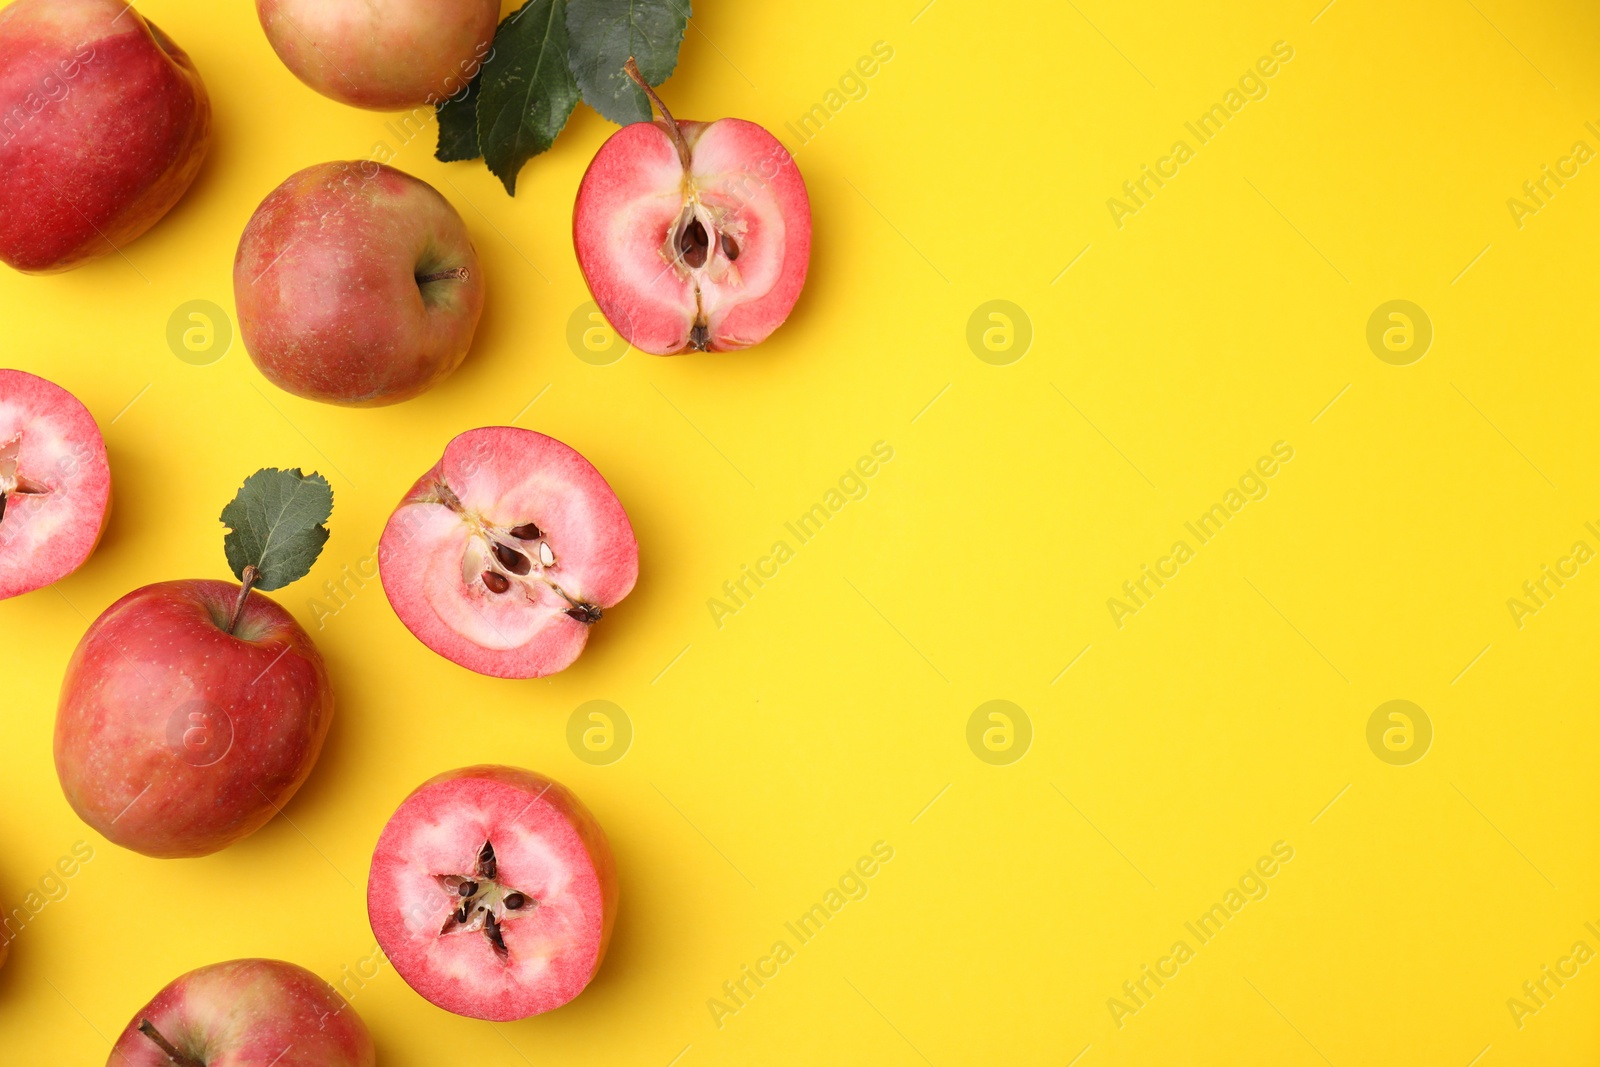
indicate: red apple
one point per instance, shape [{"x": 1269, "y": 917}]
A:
[
  {"x": 176, "y": 737},
  {"x": 245, "y": 1013},
  {"x": 493, "y": 892},
  {"x": 693, "y": 235},
  {"x": 55, "y": 486},
  {"x": 503, "y": 555},
  {"x": 103, "y": 125},
  {"x": 356, "y": 284},
  {"x": 381, "y": 54}
]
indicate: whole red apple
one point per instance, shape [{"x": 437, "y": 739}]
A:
[
  {"x": 176, "y": 737},
  {"x": 245, "y": 1012},
  {"x": 381, "y": 54},
  {"x": 356, "y": 284},
  {"x": 103, "y": 126}
]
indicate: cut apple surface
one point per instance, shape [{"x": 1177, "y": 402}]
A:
[
  {"x": 693, "y": 236},
  {"x": 493, "y": 892},
  {"x": 503, "y": 555},
  {"x": 55, "y": 484}
]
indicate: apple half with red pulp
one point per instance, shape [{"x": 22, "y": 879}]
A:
[
  {"x": 55, "y": 484},
  {"x": 693, "y": 236},
  {"x": 503, "y": 555},
  {"x": 493, "y": 892}
]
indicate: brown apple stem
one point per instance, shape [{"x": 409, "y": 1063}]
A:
[
  {"x": 460, "y": 273},
  {"x": 250, "y": 576},
  {"x": 632, "y": 70},
  {"x": 148, "y": 1029}
]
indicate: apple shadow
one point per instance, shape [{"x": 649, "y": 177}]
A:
[
  {"x": 193, "y": 198},
  {"x": 11, "y": 896},
  {"x": 319, "y": 791},
  {"x": 488, "y": 364}
]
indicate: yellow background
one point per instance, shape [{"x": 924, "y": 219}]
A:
[{"x": 770, "y": 753}]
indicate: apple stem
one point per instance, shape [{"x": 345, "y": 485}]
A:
[
  {"x": 632, "y": 70},
  {"x": 460, "y": 273},
  {"x": 249, "y": 579},
  {"x": 148, "y": 1029}
]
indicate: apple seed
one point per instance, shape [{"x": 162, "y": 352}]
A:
[
  {"x": 511, "y": 559},
  {"x": 546, "y": 557},
  {"x": 497, "y": 583},
  {"x": 694, "y": 245},
  {"x": 527, "y": 532}
]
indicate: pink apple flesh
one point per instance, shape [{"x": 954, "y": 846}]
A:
[
  {"x": 381, "y": 54},
  {"x": 104, "y": 123},
  {"x": 55, "y": 485},
  {"x": 176, "y": 738},
  {"x": 356, "y": 284},
  {"x": 503, "y": 555},
  {"x": 707, "y": 255},
  {"x": 246, "y": 1013},
  {"x": 493, "y": 892}
]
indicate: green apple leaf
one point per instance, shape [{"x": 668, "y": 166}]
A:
[
  {"x": 276, "y": 525},
  {"x": 605, "y": 33},
  {"x": 458, "y": 126},
  {"x": 527, "y": 89}
]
